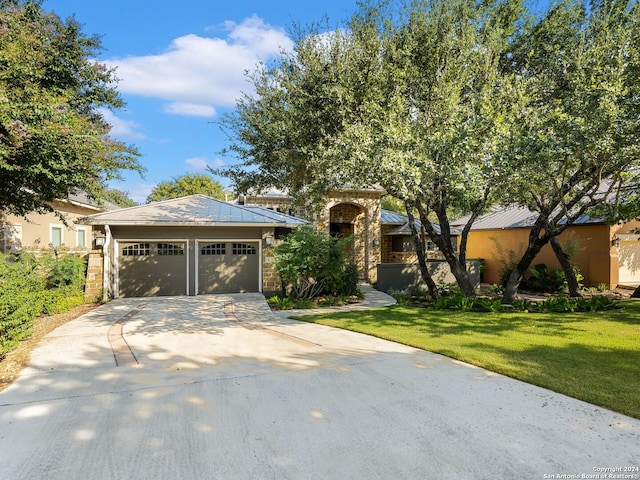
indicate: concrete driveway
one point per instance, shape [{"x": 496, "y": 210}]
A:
[{"x": 218, "y": 387}]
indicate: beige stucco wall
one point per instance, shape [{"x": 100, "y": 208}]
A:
[
  {"x": 35, "y": 232},
  {"x": 597, "y": 258}
]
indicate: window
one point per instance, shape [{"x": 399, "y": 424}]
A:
[
  {"x": 243, "y": 249},
  {"x": 81, "y": 239},
  {"x": 56, "y": 236},
  {"x": 214, "y": 249},
  {"x": 170, "y": 249},
  {"x": 402, "y": 243},
  {"x": 137, "y": 250}
]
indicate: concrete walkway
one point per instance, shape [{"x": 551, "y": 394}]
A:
[{"x": 218, "y": 387}]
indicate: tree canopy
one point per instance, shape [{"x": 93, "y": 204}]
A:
[
  {"x": 453, "y": 105},
  {"x": 189, "y": 184},
  {"x": 53, "y": 139}
]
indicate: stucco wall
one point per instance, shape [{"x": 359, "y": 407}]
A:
[
  {"x": 597, "y": 258},
  {"x": 19, "y": 233}
]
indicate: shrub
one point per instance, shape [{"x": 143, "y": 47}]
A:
[
  {"x": 544, "y": 280},
  {"x": 311, "y": 262},
  {"x": 30, "y": 287}
]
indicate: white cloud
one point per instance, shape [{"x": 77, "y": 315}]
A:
[
  {"x": 120, "y": 128},
  {"x": 197, "y": 74},
  {"x": 200, "y": 164},
  {"x": 190, "y": 109}
]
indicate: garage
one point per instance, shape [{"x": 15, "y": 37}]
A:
[
  {"x": 147, "y": 268},
  {"x": 193, "y": 245},
  {"x": 228, "y": 267},
  {"x": 628, "y": 259}
]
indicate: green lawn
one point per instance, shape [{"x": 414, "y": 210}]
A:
[{"x": 594, "y": 357}]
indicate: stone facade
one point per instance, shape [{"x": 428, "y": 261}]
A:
[{"x": 95, "y": 268}]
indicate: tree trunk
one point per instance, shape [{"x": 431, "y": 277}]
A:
[
  {"x": 422, "y": 261},
  {"x": 443, "y": 240},
  {"x": 567, "y": 268},
  {"x": 536, "y": 242}
]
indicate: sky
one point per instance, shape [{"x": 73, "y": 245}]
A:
[{"x": 181, "y": 65}]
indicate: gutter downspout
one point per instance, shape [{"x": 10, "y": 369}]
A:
[{"x": 106, "y": 285}]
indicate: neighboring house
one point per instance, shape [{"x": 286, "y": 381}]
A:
[
  {"x": 44, "y": 231},
  {"x": 190, "y": 246},
  {"x": 607, "y": 254}
]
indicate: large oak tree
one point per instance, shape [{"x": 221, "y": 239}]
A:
[{"x": 53, "y": 139}]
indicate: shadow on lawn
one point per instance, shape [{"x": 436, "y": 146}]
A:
[{"x": 608, "y": 377}]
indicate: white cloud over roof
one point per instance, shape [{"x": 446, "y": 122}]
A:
[{"x": 196, "y": 74}]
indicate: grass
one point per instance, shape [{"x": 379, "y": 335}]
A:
[{"x": 593, "y": 357}]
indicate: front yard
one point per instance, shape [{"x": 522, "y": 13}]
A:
[{"x": 592, "y": 356}]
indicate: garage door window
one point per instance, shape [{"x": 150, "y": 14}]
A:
[
  {"x": 137, "y": 250},
  {"x": 214, "y": 249},
  {"x": 170, "y": 249},
  {"x": 243, "y": 249}
]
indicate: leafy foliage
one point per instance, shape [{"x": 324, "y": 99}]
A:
[
  {"x": 190, "y": 184},
  {"x": 30, "y": 287},
  {"x": 53, "y": 139},
  {"x": 311, "y": 262}
]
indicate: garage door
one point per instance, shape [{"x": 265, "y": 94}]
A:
[
  {"x": 152, "y": 268},
  {"x": 629, "y": 260},
  {"x": 228, "y": 267}
]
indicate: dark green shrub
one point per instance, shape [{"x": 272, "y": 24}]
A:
[
  {"x": 311, "y": 263},
  {"x": 544, "y": 280},
  {"x": 30, "y": 287},
  {"x": 70, "y": 270}
]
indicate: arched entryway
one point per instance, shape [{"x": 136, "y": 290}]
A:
[{"x": 348, "y": 219}]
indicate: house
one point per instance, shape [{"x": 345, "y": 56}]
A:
[
  {"x": 190, "y": 246},
  {"x": 383, "y": 248},
  {"x": 40, "y": 232},
  {"x": 605, "y": 254}
]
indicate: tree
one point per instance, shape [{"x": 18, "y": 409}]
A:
[
  {"x": 53, "y": 139},
  {"x": 576, "y": 139},
  {"x": 189, "y": 184},
  {"x": 118, "y": 197},
  {"x": 410, "y": 99}
]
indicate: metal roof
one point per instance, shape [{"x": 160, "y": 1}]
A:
[
  {"x": 193, "y": 210},
  {"x": 502, "y": 218},
  {"x": 387, "y": 217}
]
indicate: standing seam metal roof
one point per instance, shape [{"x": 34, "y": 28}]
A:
[{"x": 194, "y": 209}]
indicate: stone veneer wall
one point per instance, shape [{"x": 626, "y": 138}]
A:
[
  {"x": 270, "y": 279},
  {"x": 366, "y": 224},
  {"x": 93, "y": 284}
]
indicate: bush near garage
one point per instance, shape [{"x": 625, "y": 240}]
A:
[
  {"x": 30, "y": 287},
  {"x": 312, "y": 263}
]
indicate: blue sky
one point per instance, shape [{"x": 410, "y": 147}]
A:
[{"x": 180, "y": 65}]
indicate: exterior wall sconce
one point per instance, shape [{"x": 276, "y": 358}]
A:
[
  {"x": 268, "y": 240},
  {"x": 100, "y": 241},
  {"x": 615, "y": 242},
  {"x": 376, "y": 242}
]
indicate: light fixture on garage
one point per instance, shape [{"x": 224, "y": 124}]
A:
[
  {"x": 615, "y": 242},
  {"x": 100, "y": 240},
  {"x": 268, "y": 240}
]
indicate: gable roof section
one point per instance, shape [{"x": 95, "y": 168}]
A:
[{"x": 194, "y": 210}]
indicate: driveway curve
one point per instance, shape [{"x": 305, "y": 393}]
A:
[{"x": 219, "y": 387}]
